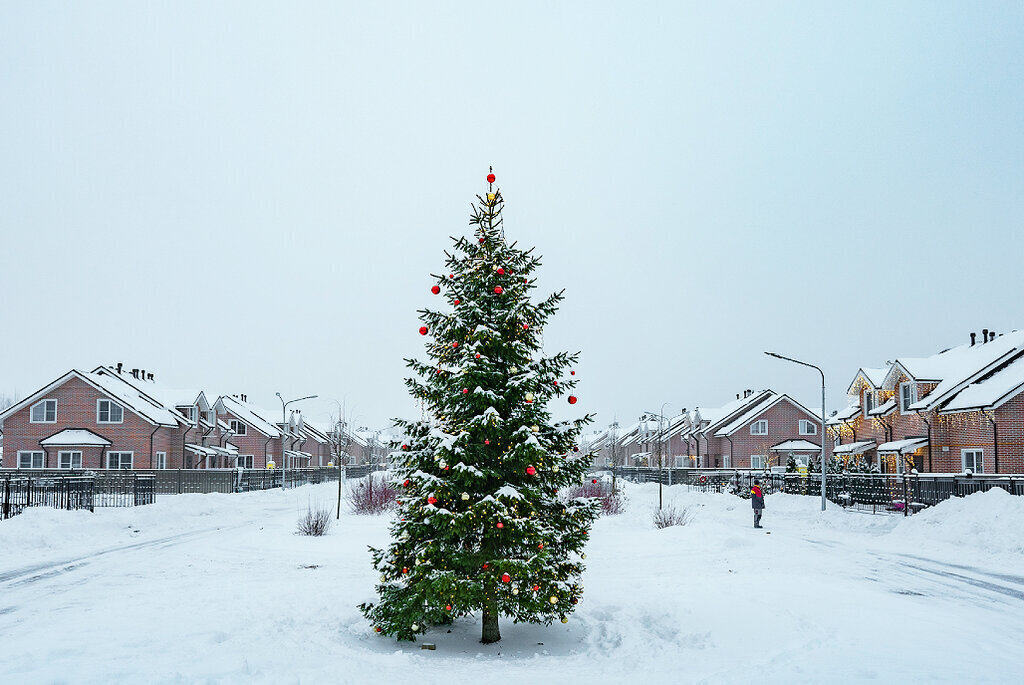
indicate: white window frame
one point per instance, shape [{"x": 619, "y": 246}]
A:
[
  {"x": 978, "y": 459},
  {"x": 870, "y": 401},
  {"x": 110, "y": 406},
  {"x": 726, "y": 461},
  {"x": 120, "y": 459},
  {"x": 71, "y": 459},
  {"x": 808, "y": 427},
  {"x": 758, "y": 424},
  {"x": 245, "y": 461},
  {"x": 160, "y": 460},
  {"x": 190, "y": 414},
  {"x": 905, "y": 403},
  {"x": 31, "y": 456},
  {"x": 679, "y": 462},
  {"x": 32, "y": 411},
  {"x": 760, "y": 461},
  {"x": 235, "y": 424}
]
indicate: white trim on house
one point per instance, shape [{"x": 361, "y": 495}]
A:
[
  {"x": 808, "y": 427},
  {"x": 32, "y": 412},
  {"x": 870, "y": 402},
  {"x": 238, "y": 427},
  {"x": 110, "y": 411},
  {"x": 907, "y": 399},
  {"x": 760, "y": 461},
  {"x": 71, "y": 459},
  {"x": 977, "y": 464},
  {"x": 160, "y": 460},
  {"x": 120, "y": 459},
  {"x": 32, "y": 459},
  {"x": 759, "y": 427}
]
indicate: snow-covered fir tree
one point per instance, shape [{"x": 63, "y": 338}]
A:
[{"x": 480, "y": 525}]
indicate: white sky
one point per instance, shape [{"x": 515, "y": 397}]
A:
[{"x": 249, "y": 197}]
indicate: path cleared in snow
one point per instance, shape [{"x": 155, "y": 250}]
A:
[{"x": 219, "y": 589}]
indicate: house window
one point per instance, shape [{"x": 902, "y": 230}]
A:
[
  {"x": 245, "y": 461},
  {"x": 30, "y": 460},
  {"x": 759, "y": 427},
  {"x": 757, "y": 461},
  {"x": 908, "y": 395},
  {"x": 119, "y": 460},
  {"x": 869, "y": 401},
  {"x": 972, "y": 459},
  {"x": 237, "y": 427},
  {"x": 188, "y": 412},
  {"x": 679, "y": 462},
  {"x": 44, "y": 412},
  {"x": 161, "y": 460},
  {"x": 727, "y": 461},
  {"x": 808, "y": 427},
  {"x": 69, "y": 460},
  {"x": 109, "y": 412}
]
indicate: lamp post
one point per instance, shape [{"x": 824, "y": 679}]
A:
[
  {"x": 661, "y": 437},
  {"x": 824, "y": 468},
  {"x": 284, "y": 423}
]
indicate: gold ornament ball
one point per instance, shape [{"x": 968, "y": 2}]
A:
[
  {"x": 583, "y": 556},
  {"x": 515, "y": 591},
  {"x": 535, "y": 429},
  {"x": 383, "y": 579},
  {"x": 555, "y": 468},
  {"x": 414, "y": 627},
  {"x": 565, "y": 620},
  {"x": 513, "y": 370},
  {"x": 529, "y": 397},
  {"x": 553, "y": 599},
  {"x": 465, "y": 496}
]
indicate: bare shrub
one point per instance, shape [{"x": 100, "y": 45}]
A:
[
  {"x": 316, "y": 522},
  {"x": 670, "y": 516},
  {"x": 612, "y": 502},
  {"x": 371, "y": 495}
]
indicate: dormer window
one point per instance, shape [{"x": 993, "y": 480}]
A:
[
  {"x": 869, "y": 402},
  {"x": 109, "y": 412},
  {"x": 908, "y": 395},
  {"x": 237, "y": 427},
  {"x": 188, "y": 412},
  {"x": 44, "y": 412}
]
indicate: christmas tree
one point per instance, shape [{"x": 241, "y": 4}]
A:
[{"x": 480, "y": 525}]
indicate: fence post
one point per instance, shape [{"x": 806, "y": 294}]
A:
[
  {"x": 7, "y": 497},
  {"x": 906, "y": 500},
  {"x": 179, "y": 481}
]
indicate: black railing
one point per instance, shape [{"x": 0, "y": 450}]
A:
[{"x": 878, "y": 493}]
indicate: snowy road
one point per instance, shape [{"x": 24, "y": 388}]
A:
[{"x": 218, "y": 589}]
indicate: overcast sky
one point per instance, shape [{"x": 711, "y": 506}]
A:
[{"x": 250, "y": 197}]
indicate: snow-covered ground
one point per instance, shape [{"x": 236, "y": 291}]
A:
[{"x": 219, "y": 589}]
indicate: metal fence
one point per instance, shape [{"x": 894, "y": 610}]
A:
[
  {"x": 876, "y": 493},
  {"x": 63, "y": 491}
]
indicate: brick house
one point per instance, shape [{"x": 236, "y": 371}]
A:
[
  {"x": 960, "y": 409},
  {"x": 93, "y": 420},
  {"x": 759, "y": 430},
  {"x": 256, "y": 438}
]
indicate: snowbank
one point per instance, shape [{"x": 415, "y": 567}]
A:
[{"x": 990, "y": 522}]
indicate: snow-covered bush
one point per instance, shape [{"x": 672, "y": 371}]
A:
[
  {"x": 670, "y": 516},
  {"x": 371, "y": 495},
  {"x": 316, "y": 522},
  {"x": 612, "y": 501}
]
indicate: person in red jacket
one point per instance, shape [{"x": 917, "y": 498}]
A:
[{"x": 757, "y": 501}]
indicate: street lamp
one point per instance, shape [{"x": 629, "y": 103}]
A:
[
  {"x": 822, "y": 436},
  {"x": 661, "y": 437},
  {"x": 284, "y": 423}
]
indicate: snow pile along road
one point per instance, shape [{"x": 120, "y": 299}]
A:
[{"x": 219, "y": 589}]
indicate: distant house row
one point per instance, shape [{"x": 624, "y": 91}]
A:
[
  {"x": 961, "y": 409},
  {"x": 113, "y": 418}
]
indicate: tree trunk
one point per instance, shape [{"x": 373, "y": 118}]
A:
[{"x": 490, "y": 624}]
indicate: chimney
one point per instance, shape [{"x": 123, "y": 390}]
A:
[
  {"x": 984, "y": 333},
  {"x": 135, "y": 373},
  {"x": 120, "y": 365},
  {"x": 737, "y": 395},
  {"x": 149, "y": 377},
  {"x": 973, "y": 337},
  {"x": 991, "y": 336},
  {"x": 142, "y": 374}
]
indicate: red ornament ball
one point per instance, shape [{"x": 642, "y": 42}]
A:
[
  {"x": 540, "y": 546},
  {"x": 526, "y": 326},
  {"x": 481, "y": 240},
  {"x": 572, "y": 399},
  {"x": 556, "y": 382},
  {"x": 377, "y": 629},
  {"x": 465, "y": 390},
  {"x": 431, "y": 500},
  {"x": 500, "y": 525},
  {"x": 455, "y": 344},
  {"x": 531, "y": 471},
  {"x": 436, "y": 289},
  {"x": 423, "y": 330},
  {"x": 458, "y": 301},
  {"x": 406, "y": 483},
  {"x": 487, "y": 442},
  {"x": 485, "y": 566},
  {"x": 501, "y": 272},
  {"x": 498, "y": 290},
  {"x": 490, "y": 178},
  {"x": 439, "y": 370},
  {"x": 405, "y": 447},
  {"x": 536, "y": 587},
  {"x": 447, "y": 607},
  {"x": 572, "y": 373},
  {"x": 477, "y": 355},
  {"x": 405, "y": 570},
  {"x": 505, "y": 577},
  {"x": 451, "y": 275},
  {"x": 594, "y": 481}
]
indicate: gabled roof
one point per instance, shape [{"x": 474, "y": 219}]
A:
[
  {"x": 990, "y": 392},
  {"x": 887, "y": 407},
  {"x": 719, "y": 416},
  {"x": 796, "y": 446},
  {"x": 854, "y": 448},
  {"x": 148, "y": 408},
  {"x": 248, "y": 414},
  {"x": 844, "y": 415},
  {"x": 746, "y": 417},
  {"x": 871, "y": 376},
  {"x": 75, "y": 437}
]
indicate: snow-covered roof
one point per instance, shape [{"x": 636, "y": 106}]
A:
[
  {"x": 168, "y": 397},
  {"x": 716, "y": 416},
  {"x": 873, "y": 376},
  {"x": 844, "y": 415},
  {"x": 796, "y": 446},
  {"x": 885, "y": 408},
  {"x": 755, "y": 411},
  {"x": 992, "y": 391},
  {"x": 131, "y": 397},
  {"x": 902, "y": 446},
  {"x": 249, "y": 414},
  {"x": 955, "y": 365},
  {"x": 854, "y": 447},
  {"x": 74, "y": 437}
]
